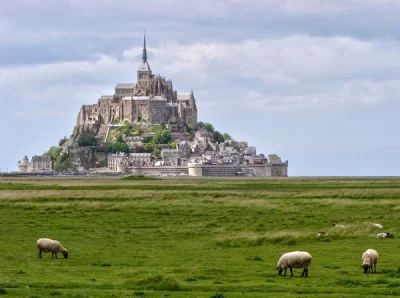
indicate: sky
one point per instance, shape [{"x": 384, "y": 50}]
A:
[{"x": 315, "y": 81}]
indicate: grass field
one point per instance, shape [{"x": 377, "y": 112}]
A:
[{"x": 197, "y": 237}]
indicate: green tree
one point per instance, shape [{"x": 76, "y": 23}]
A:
[
  {"x": 209, "y": 127},
  {"x": 137, "y": 129},
  {"x": 126, "y": 128},
  {"x": 227, "y": 137},
  {"x": 200, "y": 124},
  {"x": 172, "y": 145},
  {"x": 119, "y": 139},
  {"x": 149, "y": 147},
  {"x": 156, "y": 153},
  {"x": 157, "y": 128},
  {"x": 53, "y": 152},
  {"x": 87, "y": 139},
  {"x": 116, "y": 120},
  {"x": 190, "y": 127},
  {"x": 116, "y": 147},
  {"x": 217, "y": 136},
  {"x": 162, "y": 136},
  {"x": 62, "y": 141}
]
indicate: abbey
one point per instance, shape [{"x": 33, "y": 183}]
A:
[{"x": 152, "y": 100}]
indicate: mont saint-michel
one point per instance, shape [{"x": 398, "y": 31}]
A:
[{"x": 149, "y": 128}]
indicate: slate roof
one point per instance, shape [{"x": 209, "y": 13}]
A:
[
  {"x": 144, "y": 66},
  {"x": 125, "y": 86},
  {"x": 183, "y": 96}
]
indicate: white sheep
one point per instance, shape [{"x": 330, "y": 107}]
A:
[
  {"x": 294, "y": 259},
  {"x": 49, "y": 245},
  {"x": 369, "y": 259},
  {"x": 338, "y": 226},
  {"x": 322, "y": 234},
  {"x": 384, "y": 235},
  {"x": 376, "y": 225}
]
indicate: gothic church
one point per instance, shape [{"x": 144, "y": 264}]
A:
[{"x": 152, "y": 100}]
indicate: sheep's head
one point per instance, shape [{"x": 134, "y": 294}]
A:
[
  {"x": 65, "y": 254},
  {"x": 279, "y": 270},
  {"x": 365, "y": 266}
]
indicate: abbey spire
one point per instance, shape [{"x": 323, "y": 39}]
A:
[
  {"x": 144, "y": 55},
  {"x": 144, "y": 66}
]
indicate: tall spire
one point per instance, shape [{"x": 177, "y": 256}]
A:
[{"x": 144, "y": 55}]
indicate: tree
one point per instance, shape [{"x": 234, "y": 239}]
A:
[
  {"x": 87, "y": 139},
  {"x": 209, "y": 127},
  {"x": 165, "y": 136},
  {"x": 149, "y": 147},
  {"x": 190, "y": 127},
  {"x": 162, "y": 136},
  {"x": 116, "y": 147},
  {"x": 200, "y": 124},
  {"x": 53, "y": 152},
  {"x": 116, "y": 120},
  {"x": 126, "y": 128},
  {"x": 217, "y": 136},
  {"x": 137, "y": 129},
  {"x": 156, "y": 153},
  {"x": 227, "y": 137},
  {"x": 172, "y": 145},
  {"x": 62, "y": 141}
]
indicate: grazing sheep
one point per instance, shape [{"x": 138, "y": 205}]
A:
[
  {"x": 53, "y": 246},
  {"x": 369, "y": 259},
  {"x": 294, "y": 259},
  {"x": 322, "y": 233},
  {"x": 376, "y": 225},
  {"x": 338, "y": 226},
  {"x": 384, "y": 235}
]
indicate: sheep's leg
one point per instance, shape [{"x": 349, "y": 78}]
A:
[
  {"x": 375, "y": 268},
  {"x": 52, "y": 254},
  {"x": 291, "y": 271},
  {"x": 55, "y": 253},
  {"x": 306, "y": 275},
  {"x": 304, "y": 272},
  {"x": 40, "y": 253},
  {"x": 285, "y": 272}
]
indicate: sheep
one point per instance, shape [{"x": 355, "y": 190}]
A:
[
  {"x": 53, "y": 246},
  {"x": 322, "y": 233},
  {"x": 369, "y": 259},
  {"x": 338, "y": 226},
  {"x": 376, "y": 225},
  {"x": 294, "y": 259},
  {"x": 384, "y": 235}
]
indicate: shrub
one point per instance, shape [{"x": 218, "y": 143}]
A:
[{"x": 87, "y": 139}]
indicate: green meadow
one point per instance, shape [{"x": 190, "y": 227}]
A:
[{"x": 197, "y": 237}]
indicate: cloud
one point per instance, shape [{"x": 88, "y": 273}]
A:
[{"x": 278, "y": 73}]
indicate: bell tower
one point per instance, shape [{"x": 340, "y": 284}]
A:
[{"x": 144, "y": 72}]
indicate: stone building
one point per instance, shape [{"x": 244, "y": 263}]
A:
[
  {"x": 152, "y": 99},
  {"x": 23, "y": 167},
  {"x": 142, "y": 159},
  {"x": 114, "y": 159},
  {"x": 170, "y": 157},
  {"x": 42, "y": 163}
]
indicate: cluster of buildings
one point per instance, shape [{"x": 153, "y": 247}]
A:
[
  {"x": 212, "y": 158},
  {"x": 152, "y": 100}
]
